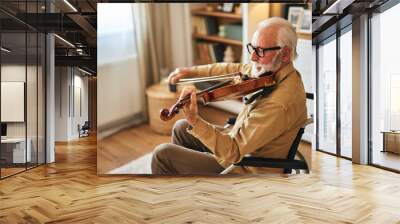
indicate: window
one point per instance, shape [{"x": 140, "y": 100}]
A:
[
  {"x": 385, "y": 89},
  {"x": 22, "y": 65},
  {"x": 346, "y": 94},
  {"x": 117, "y": 36},
  {"x": 327, "y": 97}
]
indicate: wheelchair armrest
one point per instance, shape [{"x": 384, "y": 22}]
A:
[{"x": 273, "y": 163}]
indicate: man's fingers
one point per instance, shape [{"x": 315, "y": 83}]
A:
[
  {"x": 175, "y": 78},
  {"x": 186, "y": 91},
  {"x": 171, "y": 79},
  {"x": 191, "y": 92},
  {"x": 190, "y": 108},
  {"x": 176, "y": 75},
  {"x": 193, "y": 101}
]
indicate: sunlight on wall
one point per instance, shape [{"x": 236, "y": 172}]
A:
[{"x": 118, "y": 79}]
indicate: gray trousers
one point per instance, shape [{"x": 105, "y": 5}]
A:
[{"x": 185, "y": 155}]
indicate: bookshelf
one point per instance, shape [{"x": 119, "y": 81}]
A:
[
  {"x": 203, "y": 12},
  {"x": 213, "y": 32},
  {"x": 246, "y": 19},
  {"x": 218, "y": 39}
]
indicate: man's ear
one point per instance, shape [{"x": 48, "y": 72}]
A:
[{"x": 286, "y": 54}]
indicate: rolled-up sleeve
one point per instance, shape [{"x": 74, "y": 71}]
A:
[
  {"x": 220, "y": 69},
  {"x": 261, "y": 126}
]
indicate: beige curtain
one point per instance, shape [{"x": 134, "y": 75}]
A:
[{"x": 152, "y": 34}]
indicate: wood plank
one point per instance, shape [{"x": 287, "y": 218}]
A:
[
  {"x": 70, "y": 191},
  {"x": 203, "y": 12},
  {"x": 218, "y": 39},
  {"x": 130, "y": 144}
]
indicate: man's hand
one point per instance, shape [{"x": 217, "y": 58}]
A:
[
  {"x": 179, "y": 73},
  {"x": 190, "y": 109}
]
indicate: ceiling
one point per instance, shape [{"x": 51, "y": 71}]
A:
[
  {"x": 74, "y": 21},
  {"x": 329, "y": 16}
]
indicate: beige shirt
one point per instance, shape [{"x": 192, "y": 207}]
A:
[{"x": 265, "y": 128}]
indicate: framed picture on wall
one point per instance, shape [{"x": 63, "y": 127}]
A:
[
  {"x": 305, "y": 22},
  {"x": 295, "y": 15},
  {"x": 227, "y": 7}
]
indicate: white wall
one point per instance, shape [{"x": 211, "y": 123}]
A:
[
  {"x": 79, "y": 117},
  {"x": 67, "y": 81},
  {"x": 81, "y": 81},
  {"x": 61, "y": 103}
]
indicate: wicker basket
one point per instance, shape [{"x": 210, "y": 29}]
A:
[{"x": 160, "y": 97}]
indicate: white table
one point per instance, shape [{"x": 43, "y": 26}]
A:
[{"x": 18, "y": 150}]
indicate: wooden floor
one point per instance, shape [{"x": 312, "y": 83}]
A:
[
  {"x": 10, "y": 171},
  {"x": 126, "y": 146},
  {"x": 69, "y": 191},
  {"x": 387, "y": 159},
  {"x": 130, "y": 144}
]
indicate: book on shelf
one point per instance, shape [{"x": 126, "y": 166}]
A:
[
  {"x": 212, "y": 25},
  {"x": 208, "y": 53},
  {"x": 219, "y": 50},
  {"x": 199, "y": 25},
  {"x": 231, "y": 31},
  {"x": 204, "y": 25},
  {"x": 212, "y": 53}
]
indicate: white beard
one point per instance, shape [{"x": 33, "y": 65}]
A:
[{"x": 259, "y": 69}]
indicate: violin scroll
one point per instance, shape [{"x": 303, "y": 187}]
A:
[
  {"x": 164, "y": 115},
  {"x": 168, "y": 114}
]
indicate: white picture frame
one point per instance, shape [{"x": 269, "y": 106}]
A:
[
  {"x": 304, "y": 25},
  {"x": 227, "y": 7},
  {"x": 295, "y": 15},
  {"x": 12, "y": 101}
]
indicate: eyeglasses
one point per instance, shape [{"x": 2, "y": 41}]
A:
[{"x": 260, "y": 52}]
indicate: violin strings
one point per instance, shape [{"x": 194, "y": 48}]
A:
[
  {"x": 204, "y": 80},
  {"x": 209, "y": 78}
]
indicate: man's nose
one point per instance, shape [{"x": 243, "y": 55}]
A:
[{"x": 254, "y": 56}]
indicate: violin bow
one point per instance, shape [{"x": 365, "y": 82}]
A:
[{"x": 207, "y": 79}]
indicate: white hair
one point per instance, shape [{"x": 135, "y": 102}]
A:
[{"x": 286, "y": 36}]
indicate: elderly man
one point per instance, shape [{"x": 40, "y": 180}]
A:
[{"x": 265, "y": 128}]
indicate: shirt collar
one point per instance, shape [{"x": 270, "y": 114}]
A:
[
  {"x": 280, "y": 75},
  {"x": 284, "y": 72}
]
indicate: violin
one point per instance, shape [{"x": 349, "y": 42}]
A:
[{"x": 222, "y": 91}]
